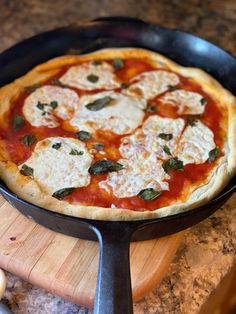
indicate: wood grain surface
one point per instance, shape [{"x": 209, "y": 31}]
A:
[{"x": 68, "y": 266}]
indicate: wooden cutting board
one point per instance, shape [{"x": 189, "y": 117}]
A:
[{"x": 68, "y": 266}]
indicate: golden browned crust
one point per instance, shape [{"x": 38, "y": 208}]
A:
[{"x": 30, "y": 191}]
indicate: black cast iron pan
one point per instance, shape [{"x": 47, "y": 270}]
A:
[{"x": 113, "y": 293}]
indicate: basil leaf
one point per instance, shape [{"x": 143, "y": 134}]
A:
[
  {"x": 98, "y": 146},
  {"x": 99, "y": 104},
  {"x": 76, "y": 152},
  {"x": 83, "y": 135},
  {"x": 203, "y": 101},
  {"x": 27, "y": 171},
  {"x": 150, "y": 108},
  {"x": 213, "y": 154},
  {"x": 60, "y": 194},
  {"x": 165, "y": 136},
  {"x": 118, "y": 64},
  {"x": 28, "y": 139},
  {"x": 105, "y": 166},
  {"x": 53, "y": 104},
  {"x": 167, "y": 150},
  {"x": 30, "y": 89},
  {"x": 173, "y": 164},
  {"x": 149, "y": 194},
  {"x": 92, "y": 78},
  {"x": 97, "y": 62},
  {"x": 17, "y": 122},
  {"x": 171, "y": 88},
  {"x": 191, "y": 121},
  {"x": 46, "y": 113},
  {"x": 124, "y": 85},
  {"x": 40, "y": 106},
  {"x": 57, "y": 82},
  {"x": 56, "y": 146}
]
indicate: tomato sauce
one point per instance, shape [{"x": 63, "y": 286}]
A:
[{"x": 180, "y": 182}]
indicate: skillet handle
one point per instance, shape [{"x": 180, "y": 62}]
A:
[{"x": 113, "y": 293}]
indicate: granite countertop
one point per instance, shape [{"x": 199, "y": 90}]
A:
[{"x": 208, "y": 249}]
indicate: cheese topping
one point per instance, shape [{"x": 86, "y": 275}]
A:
[
  {"x": 156, "y": 134},
  {"x": 186, "y": 102},
  {"x": 138, "y": 174},
  {"x": 89, "y": 76},
  {"x": 150, "y": 84},
  {"x": 121, "y": 115},
  {"x": 195, "y": 144},
  {"x": 59, "y": 163},
  {"x": 42, "y": 107}
]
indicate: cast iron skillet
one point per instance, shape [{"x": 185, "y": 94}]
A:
[{"x": 113, "y": 294}]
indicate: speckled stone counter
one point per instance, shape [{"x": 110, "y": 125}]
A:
[{"x": 208, "y": 250}]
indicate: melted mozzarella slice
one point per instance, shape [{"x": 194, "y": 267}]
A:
[
  {"x": 79, "y": 76},
  {"x": 195, "y": 144},
  {"x": 122, "y": 115},
  {"x": 152, "y": 83},
  {"x": 38, "y": 110},
  {"x": 150, "y": 137},
  {"x": 186, "y": 102},
  {"x": 138, "y": 174},
  {"x": 56, "y": 168}
]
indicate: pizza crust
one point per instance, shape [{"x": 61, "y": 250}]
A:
[{"x": 27, "y": 189}]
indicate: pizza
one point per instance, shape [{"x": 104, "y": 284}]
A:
[{"x": 117, "y": 134}]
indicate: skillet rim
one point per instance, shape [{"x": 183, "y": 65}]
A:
[{"x": 118, "y": 19}]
